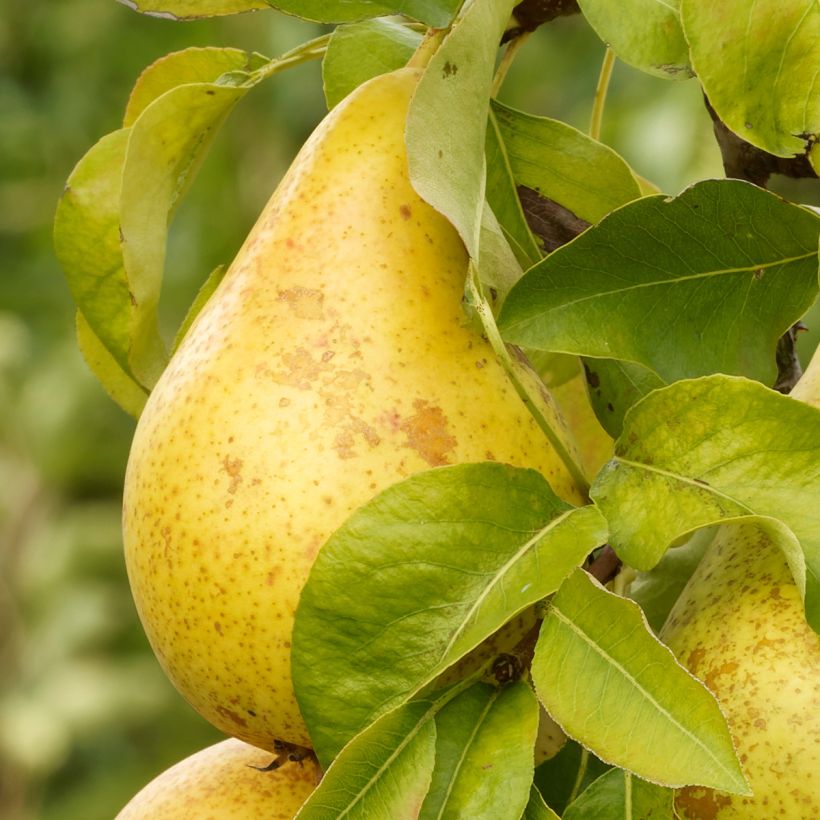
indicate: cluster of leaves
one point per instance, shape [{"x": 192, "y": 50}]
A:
[{"x": 675, "y": 305}]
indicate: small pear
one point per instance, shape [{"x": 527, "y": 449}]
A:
[
  {"x": 224, "y": 782},
  {"x": 333, "y": 360},
  {"x": 740, "y": 627}
]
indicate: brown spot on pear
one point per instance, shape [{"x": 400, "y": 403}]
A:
[
  {"x": 332, "y": 264},
  {"x": 223, "y": 782}
]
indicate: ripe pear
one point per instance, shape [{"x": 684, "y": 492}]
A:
[
  {"x": 223, "y": 782},
  {"x": 740, "y": 627},
  {"x": 332, "y": 361}
]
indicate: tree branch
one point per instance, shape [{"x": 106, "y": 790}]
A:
[
  {"x": 530, "y": 14},
  {"x": 741, "y": 160}
]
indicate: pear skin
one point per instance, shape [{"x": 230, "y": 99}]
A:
[
  {"x": 740, "y": 627},
  {"x": 332, "y": 361},
  {"x": 224, "y": 782}
]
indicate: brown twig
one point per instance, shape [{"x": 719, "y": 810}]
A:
[
  {"x": 530, "y": 14},
  {"x": 741, "y": 160},
  {"x": 552, "y": 223},
  {"x": 789, "y": 369},
  {"x": 605, "y": 565}
]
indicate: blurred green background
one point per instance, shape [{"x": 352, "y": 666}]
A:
[{"x": 86, "y": 715}]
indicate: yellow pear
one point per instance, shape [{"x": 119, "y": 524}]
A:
[
  {"x": 739, "y": 626},
  {"x": 223, "y": 782},
  {"x": 594, "y": 445},
  {"x": 333, "y": 361}
]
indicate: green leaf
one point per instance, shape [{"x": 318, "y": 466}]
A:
[
  {"x": 614, "y": 387},
  {"x": 359, "y": 51},
  {"x": 193, "y": 9},
  {"x": 705, "y": 282},
  {"x": 201, "y": 299},
  {"x": 706, "y": 450},
  {"x": 484, "y": 754},
  {"x": 563, "y": 164},
  {"x": 192, "y": 65},
  {"x": 758, "y": 63},
  {"x": 384, "y": 772},
  {"x": 435, "y": 13},
  {"x": 537, "y": 809},
  {"x": 646, "y": 34},
  {"x": 166, "y": 145},
  {"x": 418, "y": 577},
  {"x": 657, "y": 590},
  {"x": 87, "y": 243},
  {"x": 614, "y": 687},
  {"x": 129, "y": 395},
  {"x": 502, "y": 196},
  {"x": 447, "y": 120},
  {"x": 617, "y": 795}
]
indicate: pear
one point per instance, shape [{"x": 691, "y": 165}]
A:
[
  {"x": 332, "y": 361},
  {"x": 740, "y": 627},
  {"x": 594, "y": 445},
  {"x": 224, "y": 782}
]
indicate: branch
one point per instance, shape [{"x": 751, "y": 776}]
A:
[
  {"x": 789, "y": 369},
  {"x": 530, "y": 14},
  {"x": 552, "y": 223},
  {"x": 605, "y": 566},
  {"x": 741, "y": 160}
]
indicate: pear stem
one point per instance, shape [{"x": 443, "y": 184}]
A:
[
  {"x": 427, "y": 48},
  {"x": 600, "y": 94},
  {"x": 506, "y": 61},
  {"x": 481, "y": 306}
]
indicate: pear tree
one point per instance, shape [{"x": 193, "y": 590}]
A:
[{"x": 483, "y": 482}]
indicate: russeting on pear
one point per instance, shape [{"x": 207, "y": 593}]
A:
[
  {"x": 739, "y": 626},
  {"x": 333, "y": 361},
  {"x": 224, "y": 782}
]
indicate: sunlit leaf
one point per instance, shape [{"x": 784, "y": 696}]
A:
[
  {"x": 384, "y": 772},
  {"x": 705, "y": 450},
  {"x": 87, "y": 242},
  {"x": 359, "y": 51},
  {"x": 192, "y": 9},
  {"x": 758, "y": 63},
  {"x": 564, "y": 164},
  {"x": 537, "y": 809},
  {"x": 166, "y": 145},
  {"x": 192, "y": 65},
  {"x": 435, "y": 13},
  {"x": 484, "y": 754},
  {"x": 703, "y": 283},
  {"x": 502, "y": 196},
  {"x": 448, "y": 118},
  {"x": 417, "y": 578},
  {"x": 644, "y": 33},
  {"x": 614, "y": 687},
  {"x": 129, "y": 395}
]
